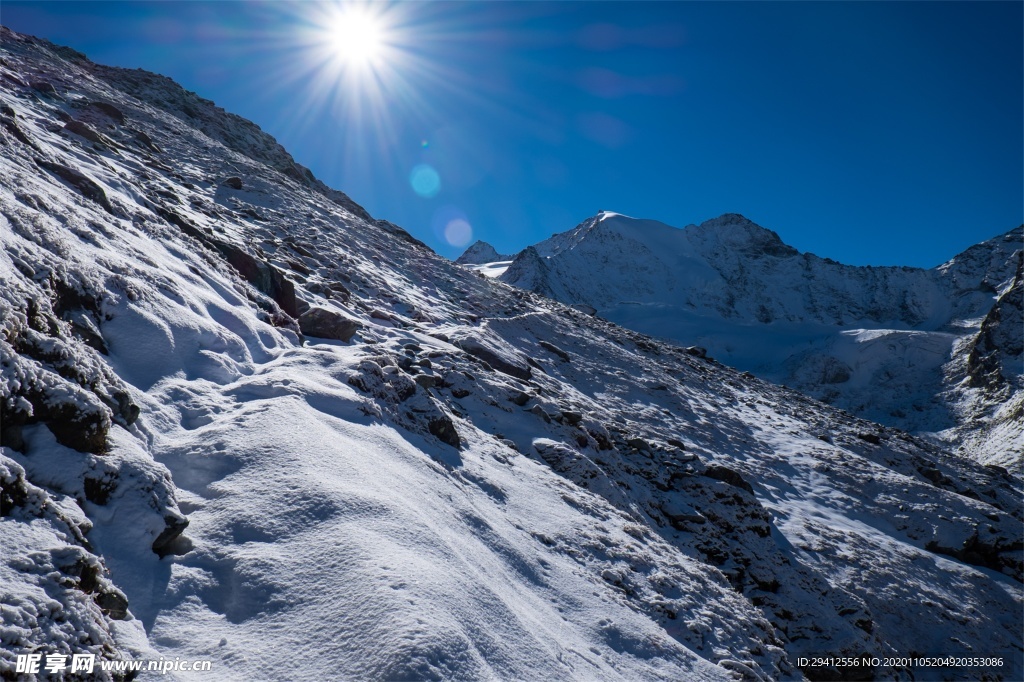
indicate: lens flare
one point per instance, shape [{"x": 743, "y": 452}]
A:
[
  {"x": 425, "y": 181},
  {"x": 458, "y": 232}
]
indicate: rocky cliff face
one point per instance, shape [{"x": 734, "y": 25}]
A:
[
  {"x": 241, "y": 418},
  {"x": 887, "y": 343}
]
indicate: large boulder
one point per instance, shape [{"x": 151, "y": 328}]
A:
[
  {"x": 327, "y": 324},
  {"x": 262, "y": 275},
  {"x": 499, "y": 355}
]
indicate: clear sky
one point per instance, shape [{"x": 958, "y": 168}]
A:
[{"x": 882, "y": 133}]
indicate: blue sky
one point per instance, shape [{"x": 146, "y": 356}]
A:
[{"x": 882, "y": 133}]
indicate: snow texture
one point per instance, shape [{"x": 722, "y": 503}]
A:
[{"x": 479, "y": 483}]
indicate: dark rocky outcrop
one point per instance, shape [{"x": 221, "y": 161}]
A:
[
  {"x": 84, "y": 130},
  {"x": 88, "y": 187},
  {"x": 174, "y": 526},
  {"x": 108, "y": 110},
  {"x": 262, "y": 275},
  {"x": 997, "y": 349},
  {"x": 44, "y": 87},
  {"x": 444, "y": 429}
]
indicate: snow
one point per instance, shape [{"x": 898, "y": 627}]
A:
[
  {"x": 610, "y": 507},
  {"x": 734, "y": 288}
]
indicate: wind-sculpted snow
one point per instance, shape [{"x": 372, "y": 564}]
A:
[
  {"x": 886, "y": 343},
  {"x": 457, "y": 480}
]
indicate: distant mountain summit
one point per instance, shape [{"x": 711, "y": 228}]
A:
[
  {"x": 479, "y": 253},
  {"x": 892, "y": 344}
]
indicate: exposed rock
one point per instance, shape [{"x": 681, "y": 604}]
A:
[
  {"x": 697, "y": 351},
  {"x": 552, "y": 348},
  {"x": 426, "y": 381},
  {"x": 585, "y": 309},
  {"x": 262, "y": 275},
  {"x": 86, "y": 131},
  {"x": 174, "y": 525},
  {"x": 727, "y": 475},
  {"x": 88, "y": 187},
  {"x": 572, "y": 418},
  {"x": 43, "y": 87},
  {"x": 504, "y": 360},
  {"x": 146, "y": 141},
  {"x": 540, "y": 412},
  {"x": 11, "y": 124},
  {"x": 638, "y": 443},
  {"x": 327, "y": 324},
  {"x": 108, "y": 110},
  {"x": 520, "y": 398},
  {"x": 113, "y": 603},
  {"x": 444, "y": 429},
  {"x": 233, "y": 182}
]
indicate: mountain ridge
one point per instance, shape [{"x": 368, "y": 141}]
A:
[
  {"x": 244, "y": 423},
  {"x": 761, "y": 305}
]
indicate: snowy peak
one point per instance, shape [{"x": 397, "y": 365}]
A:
[
  {"x": 734, "y": 231},
  {"x": 480, "y": 252},
  {"x": 882, "y": 342}
]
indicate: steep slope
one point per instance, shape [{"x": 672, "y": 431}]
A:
[
  {"x": 888, "y": 344},
  {"x": 394, "y": 469}
]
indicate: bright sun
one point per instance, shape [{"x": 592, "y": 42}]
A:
[{"x": 357, "y": 37}]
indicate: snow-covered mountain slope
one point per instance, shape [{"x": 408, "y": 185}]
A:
[
  {"x": 890, "y": 344},
  {"x": 393, "y": 468}
]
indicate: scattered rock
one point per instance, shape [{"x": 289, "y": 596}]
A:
[
  {"x": 233, "y": 182},
  {"x": 572, "y": 418},
  {"x": 697, "y": 351},
  {"x": 539, "y": 411},
  {"x": 870, "y": 437}
]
